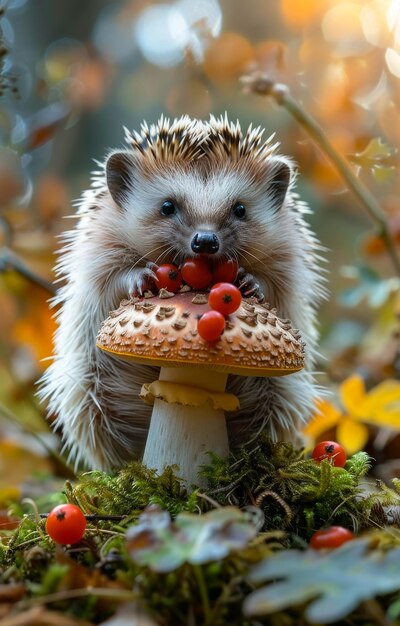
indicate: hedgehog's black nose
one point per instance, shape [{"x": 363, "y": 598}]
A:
[{"x": 205, "y": 242}]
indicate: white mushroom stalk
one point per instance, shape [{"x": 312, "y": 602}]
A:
[
  {"x": 188, "y": 420},
  {"x": 189, "y": 398}
]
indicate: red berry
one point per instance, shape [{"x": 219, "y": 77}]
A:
[
  {"x": 331, "y": 537},
  {"x": 66, "y": 524},
  {"x": 225, "y": 271},
  {"x": 330, "y": 450},
  {"x": 168, "y": 277},
  {"x": 197, "y": 273},
  {"x": 225, "y": 298},
  {"x": 211, "y": 325}
]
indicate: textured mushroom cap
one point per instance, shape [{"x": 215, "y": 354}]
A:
[{"x": 162, "y": 331}]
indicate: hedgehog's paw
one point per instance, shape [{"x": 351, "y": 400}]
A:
[
  {"x": 248, "y": 285},
  {"x": 140, "y": 280}
]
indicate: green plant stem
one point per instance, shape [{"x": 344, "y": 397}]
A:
[
  {"x": 281, "y": 95},
  {"x": 203, "y": 592},
  {"x": 363, "y": 194}
]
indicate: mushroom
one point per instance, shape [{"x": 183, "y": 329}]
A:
[{"x": 189, "y": 399}]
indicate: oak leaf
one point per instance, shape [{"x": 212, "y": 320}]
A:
[{"x": 334, "y": 583}]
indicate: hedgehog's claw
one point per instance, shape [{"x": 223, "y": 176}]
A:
[
  {"x": 152, "y": 266},
  {"x": 141, "y": 280},
  {"x": 248, "y": 285}
]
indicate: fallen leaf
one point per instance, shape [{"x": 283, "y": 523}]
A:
[
  {"x": 164, "y": 545},
  {"x": 334, "y": 583}
]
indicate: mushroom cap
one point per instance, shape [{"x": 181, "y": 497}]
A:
[{"x": 162, "y": 331}]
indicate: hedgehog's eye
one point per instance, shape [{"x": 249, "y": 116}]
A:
[
  {"x": 239, "y": 211},
  {"x": 168, "y": 208}
]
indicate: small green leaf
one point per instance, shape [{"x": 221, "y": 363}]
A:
[{"x": 334, "y": 583}]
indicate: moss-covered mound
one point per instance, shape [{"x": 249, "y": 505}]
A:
[{"x": 191, "y": 556}]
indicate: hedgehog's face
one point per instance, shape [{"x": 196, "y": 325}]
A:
[{"x": 179, "y": 212}]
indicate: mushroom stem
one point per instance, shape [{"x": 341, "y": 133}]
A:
[{"x": 182, "y": 435}]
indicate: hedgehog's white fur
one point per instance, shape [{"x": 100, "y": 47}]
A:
[{"x": 207, "y": 166}]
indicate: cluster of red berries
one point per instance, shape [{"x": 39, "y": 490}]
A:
[
  {"x": 198, "y": 273},
  {"x": 334, "y": 536}
]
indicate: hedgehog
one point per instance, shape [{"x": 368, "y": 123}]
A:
[{"x": 180, "y": 188}]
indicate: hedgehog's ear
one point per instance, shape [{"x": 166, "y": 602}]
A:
[
  {"x": 119, "y": 175},
  {"x": 279, "y": 177}
]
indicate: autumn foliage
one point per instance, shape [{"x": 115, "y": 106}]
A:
[{"x": 65, "y": 92}]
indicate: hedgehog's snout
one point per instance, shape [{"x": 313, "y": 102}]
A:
[{"x": 205, "y": 242}]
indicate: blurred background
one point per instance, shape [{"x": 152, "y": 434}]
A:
[{"x": 73, "y": 73}]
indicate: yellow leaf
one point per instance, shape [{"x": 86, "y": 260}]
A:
[
  {"x": 352, "y": 395},
  {"x": 351, "y": 435},
  {"x": 389, "y": 419},
  {"x": 325, "y": 417},
  {"x": 8, "y": 494},
  {"x": 37, "y": 325},
  {"x": 382, "y": 405},
  {"x": 384, "y": 394}
]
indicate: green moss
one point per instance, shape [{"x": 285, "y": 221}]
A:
[
  {"x": 293, "y": 491},
  {"x": 295, "y": 494},
  {"x": 130, "y": 491}
]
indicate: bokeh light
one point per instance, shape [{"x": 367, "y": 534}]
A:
[
  {"x": 166, "y": 33},
  {"x": 162, "y": 35},
  {"x": 228, "y": 57},
  {"x": 112, "y": 35},
  {"x": 342, "y": 26}
]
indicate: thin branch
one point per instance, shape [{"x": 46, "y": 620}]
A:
[
  {"x": 261, "y": 84},
  {"x": 9, "y": 415},
  {"x": 9, "y": 260}
]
